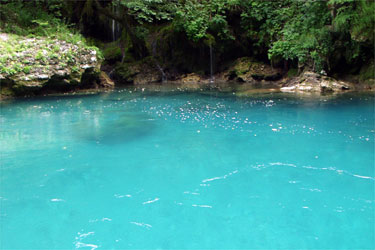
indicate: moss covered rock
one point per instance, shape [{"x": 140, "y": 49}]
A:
[
  {"x": 112, "y": 52},
  {"x": 34, "y": 65},
  {"x": 246, "y": 69},
  {"x": 139, "y": 72},
  {"x": 367, "y": 74}
]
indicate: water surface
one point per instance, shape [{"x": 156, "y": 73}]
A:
[{"x": 137, "y": 169}]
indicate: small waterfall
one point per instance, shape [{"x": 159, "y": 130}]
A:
[
  {"x": 212, "y": 80},
  {"x": 118, "y": 27},
  {"x": 113, "y": 30},
  {"x": 163, "y": 75},
  {"x": 115, "y": 26}
]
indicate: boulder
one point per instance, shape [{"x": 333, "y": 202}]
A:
[
  {"x": 313, "y": 82},
  {"x": 139, "y": 72},
  {"x": 191, "y": 78},
  {"x": 246, "y": 69},
  {"x": 105, "y": 81},
  {"x": 44, "y": 65},
  {"x": 147, "y": 76}
]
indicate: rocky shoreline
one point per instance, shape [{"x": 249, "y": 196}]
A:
[
  {"x": 39, "y": 66},
  {"x": 254, "y": 76}
]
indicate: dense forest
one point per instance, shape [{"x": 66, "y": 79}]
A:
[{"x": 333, "y": 37}]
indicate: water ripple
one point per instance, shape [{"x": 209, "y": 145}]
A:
[
  {"x": 150, "y": 201},
  {"x": 338, "y": 171},
  {"x": 220, "y": 177},
  {"x": 81, "y": 236},
  {"x": 140, "y": 224}
]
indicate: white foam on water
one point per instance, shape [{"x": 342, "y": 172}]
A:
[
  {"x": 57, "y": 200},
  {"x": 206, "y": 206},
  {"x": 140, "y": 224},
  {"x": 220, "y": 177},
  {"x": 150, "y": 201}
]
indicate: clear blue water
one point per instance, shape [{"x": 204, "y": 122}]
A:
[{"x": 187, "y": 170}]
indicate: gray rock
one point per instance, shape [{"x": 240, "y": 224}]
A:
[
  {"x": 61, "y": 72},
  {"x": 86, "y": 66},
  {"x": 313, "y": 82},
  {"x": 43, "y": 77}
]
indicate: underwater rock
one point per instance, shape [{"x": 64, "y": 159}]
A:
[
  {"x": 120, "y": 128},
  {"x": 256, "y": 91}
]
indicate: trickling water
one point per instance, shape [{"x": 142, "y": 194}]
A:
[
  {"x": 211, "y": 67},
  {"x": 154, "y": 54},
  {"x": 115, "y": 29},
  {"x": 163, "y": 76}
]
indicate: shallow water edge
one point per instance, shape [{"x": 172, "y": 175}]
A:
[{"x": 233, "y": 88}]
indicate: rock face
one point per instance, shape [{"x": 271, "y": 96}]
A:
[
  {"x": 245, "y": 69},
  {"x": 140, "y": 72},
  {"x": 242, "y": 70},
  {"x": 40, "y": 65},
  {"x": 313, "y": 82}
]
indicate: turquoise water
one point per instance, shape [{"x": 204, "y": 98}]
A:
[{"x": 135, "y": 169}]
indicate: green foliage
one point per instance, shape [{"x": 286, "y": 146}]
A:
[
  {"x": 38, "y": 18},
  {"x": 149, "y": 10},
  {"x": 263, "y": 20},
  {"x": 52, "y": 55},
  {"x": 69, "y": 57},
  {"x": 292, "y": 72},
  {"x": 7, "y": 70},
  {"x": 39, "y": 55},
  {"x": 200, "y": 18},
  {"x": 112, "y": 52},
  {"x": 367, "y": 72},
  {"x": 304, "y": 36},
  {"x": 317, "y": 35},
  {"x": 309, "y": 32},
  {"x": 356, "y": 17},
  {"x": 75, "y": 69},
  {"x": 63, "y": 64},
  {"x": 3, "y": 59},
  {"x": 56, "y": 48},
  {"x": 26, "y": 69}
]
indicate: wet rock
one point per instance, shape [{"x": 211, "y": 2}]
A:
[
  {"x": 191, "y": 78},
  {"x": 255, "y": 91},
  {"x": 105, "y": 81},
  {"x": 126, "y": 72},
  {"x": 138, "y": 73}
]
